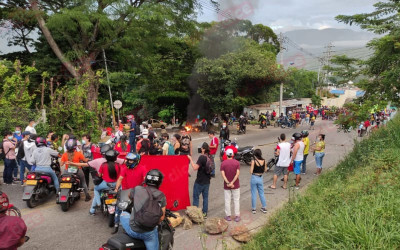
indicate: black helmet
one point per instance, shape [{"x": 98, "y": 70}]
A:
[
  {"x": 71, "y": 145},
  {"x": 154, "y": 178},
  {"x": 297, "y": 136},
  {"x": 111, "y": 155},
  {"x": 40, "y": 142},
  {"x": 227, "y": 143},
  {"x": 105, "y": 148},
  {"x": 304, "y": 133}
]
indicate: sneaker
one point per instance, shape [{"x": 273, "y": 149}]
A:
[
  {"x": 13, "y": 183},
  {"x": 92, "y": 214},
  {"x": 303, "y": 173},
  {"x": 228, "y": 218},
  {"x": 213, "y": 176},
  {"x": 205, "y": 215},
  {"x": 237, "y": 218},
  {"x": 253, "y": 211},
  {"x": 264, "y": 210},
  {"x": 88, "y": 198},
  {"x": 297, "y": 187}
]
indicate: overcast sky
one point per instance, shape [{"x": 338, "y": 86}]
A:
[{"x": 284, "y": 15}]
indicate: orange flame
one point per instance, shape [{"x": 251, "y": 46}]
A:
[{"x": 188, "y": 128}]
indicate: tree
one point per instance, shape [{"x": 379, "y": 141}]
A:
[{"x": 343, "y": 69}]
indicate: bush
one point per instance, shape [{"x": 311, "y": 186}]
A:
[{"x": 355, "y": 206}]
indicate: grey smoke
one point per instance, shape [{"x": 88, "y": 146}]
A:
[{"x": 239, "y": 9}]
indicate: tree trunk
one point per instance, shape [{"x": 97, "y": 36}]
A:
[
  {"x": 93, "y": 88},
  {"x": 46, "y": 32}
]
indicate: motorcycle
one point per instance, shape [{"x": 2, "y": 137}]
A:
[
  {"x": 69, "y": 189},
  {"x": 122, "y": 241},
  {"x": 108, "y": 198},
  {"x": 245, "y": 154},
  {"x": 13, "y": 210},
  {"x": 37, "y": 187},
  {"x": 263, "y": 124},
  {"x": 241, "y": 129},
  {"x": 273, "y": 161}
]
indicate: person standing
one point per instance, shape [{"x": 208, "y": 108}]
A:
[
  {"x": 31, "y": 127},
  {"x": 21, "y": 156},
  {"x": 202, "y": 182},
  {"x": 186, "y": 144},
  {"x": 306, "y": 141},
  {"x": 312, "y": 122},
  {"x": 223, "y": 134},
  {"x": 213, "y": 148},
  {"x": 283, "y": 151},
  {"x": 132, "y": 134},
  {"x": 87, "y": 149},
  {"x": 319, "y": 150},
  {"x": 257, "y": 170},
  {"x": 297, "y": 156},
  {"x": 204, "y": 125},
  {"x": 230, "y": 170},
  {"x": 17, "y": 134},
  {"x": 9, "y": 161}
]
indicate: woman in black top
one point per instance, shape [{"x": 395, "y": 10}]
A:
[
  {"x": 202, "y": 183},
  {"x": 257, "y": 170}
]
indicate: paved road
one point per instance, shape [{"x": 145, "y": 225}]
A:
[{"x": 50, "y": 228}]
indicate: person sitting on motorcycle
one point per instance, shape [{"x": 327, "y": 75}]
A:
[
  {"x": 242, "y": 123},
  {"x": 224, "y": 134},
  {"x": 229, "y": 145},
  {"x": 42, "y": 159},
  {"x": 140, "y": 196},
  {"x": 132, "y": 175},
  {"x": 73, "y": 158},
  {"x": 110, "y": 172},
  {"x": 12, "y": 228}
]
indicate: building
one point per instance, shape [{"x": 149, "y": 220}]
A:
[{"x": 287, "y": 105}]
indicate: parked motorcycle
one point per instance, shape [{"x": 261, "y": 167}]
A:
[
  {"x": 245, "y": 154},
  {"x": 38, "y": 186},
  {"x": 273, "y": 161},
  {"x": 108, "y": 198},
  {"x": 69, "y": 189},
  {"x": 122, "y": 241}
]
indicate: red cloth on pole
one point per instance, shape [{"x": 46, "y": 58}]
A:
[{"x": 175, "y": 185}]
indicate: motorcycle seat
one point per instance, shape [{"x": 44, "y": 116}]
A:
[
  {"x": 244, "y": 148},
  {"x": 122, "y": 241},
  {"x": 43, "y": 174}
]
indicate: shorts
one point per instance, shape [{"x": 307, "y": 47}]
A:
[
  {"x": 312, "y": 123},
  {"x": 297, "y": 167},
  {"x": 281, "y": 170}
]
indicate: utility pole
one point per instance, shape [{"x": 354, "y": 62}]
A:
[
  {"x": 281, "y": 48},
  {"x": 328, "y": 57},
  {"x": 321, "y": 65},
  {"x": 109, "y": 89}
]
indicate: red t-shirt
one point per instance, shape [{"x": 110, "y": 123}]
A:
[
  {"x": 367, "y": 124},
  {"x": 230, "y": 168},
  {"x": 224, "y": 157},
  {"x": 214, "y": 141},
  {"x": 123, "y": 153},
  {"x": 12, "y": 229},
  {"x": 297, "y": 116},
  {"x": 105, "y": 175},
  {"x": 132, "y": 177}
]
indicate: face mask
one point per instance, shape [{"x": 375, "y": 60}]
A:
[
  {"x": 34, "y": 125},
  {"x": 10, "y": 138},
  {"x": 223, "y": 126},
  {"x": 83, "y": 142},
  {"x": 145, "y": 136},
  {"x": 18, "y": 132}
]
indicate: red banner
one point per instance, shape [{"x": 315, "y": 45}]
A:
[{"x": 175, "y": 185}]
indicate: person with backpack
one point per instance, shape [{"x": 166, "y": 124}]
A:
[
  {"x": 21, "y": 156},
  {"x": 149, "y": 206},
  {"x": 110, "y": 172},
  {"x": 257, "y": 170},
  {"x": 8, "y": 155},
  {"x": 168, "y": 148},
  {"x": 29, "y": 147},
  {"x": 203, "y": 166},
  {"x": 87, "y": 149}
]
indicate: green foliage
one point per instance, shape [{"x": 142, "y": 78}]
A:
[
  {"x": 166, "y": 114},
  {"x": 355, "y": 206},
  {"x": 343, "y": 69},
  {"x": 316, "y": 100}
]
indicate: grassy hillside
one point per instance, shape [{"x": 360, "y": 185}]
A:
[{"x": 355, "y": 206}]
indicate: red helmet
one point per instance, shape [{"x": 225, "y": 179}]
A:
[{"x": 3, "y": 202}]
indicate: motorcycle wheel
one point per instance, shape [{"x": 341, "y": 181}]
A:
[
  {"x": 270, "y": 164},
  {"x": 65, "y": 206},
  {"x": 247, "y": 160},
  {"x": 13, "y": 211},
  {"x": 111, "y": 220},
  {"x": 32, "y": 202}
]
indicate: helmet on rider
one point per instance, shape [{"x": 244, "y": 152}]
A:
[
  {"x": 227, "y": 143},
  {"x": 71, "y": 145},
  {"x": 154, "y": 178},
  {"x": 111, "y": 155},
  {"x": 105, "y": 148},
  {"x": 40, "y": 142},
  {"x": 304, "y": 133},
  {"x": 3, "y": 202},
  {"x": 297, "y": 136},
  {"x": 132, "y": 160}
]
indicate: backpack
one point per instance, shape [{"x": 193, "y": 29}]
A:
[
  {"x": 171, "y": 150},
  {"x": 210, "y": 166},
  {"x": 21, "y": 152},
  {"x": 145, "y": 146},
  {"x": 2, "y": 152},
  {"x": 185, "y": 142},
  {"x": 148, "y": 217}
]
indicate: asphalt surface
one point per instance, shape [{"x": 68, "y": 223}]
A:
[{"x": 50, "y": 228}]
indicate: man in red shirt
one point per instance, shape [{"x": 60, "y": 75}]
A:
[
  {"x": 12, "y": 228},
  {"x": 131, "y": 176},
  {"x": 213, "y": 148}
]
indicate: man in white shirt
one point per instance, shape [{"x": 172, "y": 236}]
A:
[
  {"x": 283, "y": 150},
  {"x": 31, "y": 127}
]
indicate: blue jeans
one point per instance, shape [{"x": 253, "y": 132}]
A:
[
  {"x": 304, "y": 168},
  {"x": 212, "y": 157},
  {"x": 132, "y": 142},
  {"x": 201, "y": 189},
  {"x": 22, "y": 165},
  {"x": 150, "y": 239},
  {"x": 15, "y": 169},
  {"x": 8, "y": 170},
  {"x": 97, "y": 189},
  {"x": 318, "y": 159},
  {"x": 257, "y": 185},
  {"x": 47, "y": 169}
]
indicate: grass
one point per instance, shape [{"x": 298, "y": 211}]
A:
[{"x": 355, "y": 206}]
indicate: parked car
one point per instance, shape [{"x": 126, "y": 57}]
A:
[{"x": 157, "y": 123}]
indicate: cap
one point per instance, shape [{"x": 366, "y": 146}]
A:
[
  {"x": 145, "y": 132},
  {"x": 26, "y": 133},
  {"x": 229, "y": 152}
]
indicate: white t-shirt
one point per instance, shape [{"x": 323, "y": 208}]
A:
[
  {"x": 32, "y": 130},
  {"x": 284, "y": 154},
  {"x": 300, "y": 152}
]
